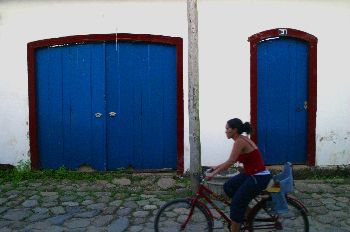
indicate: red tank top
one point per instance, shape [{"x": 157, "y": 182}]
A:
[{"x": 252, "y": 161}]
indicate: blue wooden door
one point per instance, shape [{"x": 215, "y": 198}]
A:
[
  {"x": 107, "y": 106},
  {"x": 141, "y": 91},
  {"x": 70, "y": 91},
  {"x": 282, "y": 100}
]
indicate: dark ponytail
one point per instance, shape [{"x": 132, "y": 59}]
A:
[
  {"x": 237, "y": 123},
  {"x": 247, "y": 128}
]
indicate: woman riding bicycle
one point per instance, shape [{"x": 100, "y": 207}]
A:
[{"x": 243, "y": 187}]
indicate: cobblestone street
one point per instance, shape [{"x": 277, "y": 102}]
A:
[{"x": 124, "y": 204}]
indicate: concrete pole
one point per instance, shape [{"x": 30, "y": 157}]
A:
[{"x": 193, "y": 94}]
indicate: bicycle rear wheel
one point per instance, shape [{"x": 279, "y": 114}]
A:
[
  {"x": 173, "y": 215},
  {"x": 265, "y": 219}
]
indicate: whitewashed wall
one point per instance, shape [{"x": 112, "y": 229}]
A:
[
  {"x": 224, "y": 27},
  {"x": 224, "y": 68},
  {"x": 25, "y": 21}
]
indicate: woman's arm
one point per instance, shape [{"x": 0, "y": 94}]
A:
[{"x": 236, "y": 150}]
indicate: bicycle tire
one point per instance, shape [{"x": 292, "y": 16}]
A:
[
  {"x": 295, "y": 220},
  {"x": 171, "y": 215}
]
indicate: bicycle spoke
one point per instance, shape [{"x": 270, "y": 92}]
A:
[
  {"x": 267, "y": 220},
  {"x": 179, "y": 216}
]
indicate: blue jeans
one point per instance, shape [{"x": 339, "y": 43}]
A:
[{"x": 242, "y": 188}]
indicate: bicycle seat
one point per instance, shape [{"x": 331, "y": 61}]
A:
[
  {"x": 283, "y": 181},
  {"x": 272, "y": 187}
]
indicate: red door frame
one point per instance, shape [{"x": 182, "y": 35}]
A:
[
  {"x": 76, "y": 39},
  {"x": 312, "y": 82}
]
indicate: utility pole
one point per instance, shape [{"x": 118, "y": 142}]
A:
[{"x": 193, "y": 94}]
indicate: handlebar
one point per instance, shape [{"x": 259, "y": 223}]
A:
[{"x": 205, "y": 172}]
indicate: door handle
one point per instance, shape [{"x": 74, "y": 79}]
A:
[
  {"x": 98, "y": 115},
  {"x": 112, "y": 114},
  {"x": 299, "y": 109}
]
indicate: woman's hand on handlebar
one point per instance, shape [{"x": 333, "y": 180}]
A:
[{"x": 209, "y": 174}]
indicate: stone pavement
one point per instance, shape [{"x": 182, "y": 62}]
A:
[
  {"x": 129, "y": 204},
  {"x": 328, "y": 204}
]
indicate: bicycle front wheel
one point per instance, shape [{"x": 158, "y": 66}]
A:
[
  {"x": 178, "y": 215},
  {"x": 265, "y": 219}
]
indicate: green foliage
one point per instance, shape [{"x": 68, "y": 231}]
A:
[
  {"x": 22, "y": 173},
  {"x": 321, "y": 173},
  {"x": 17, "y": 174},
  {"x": 183, "y": 179},
  {"x": 23, "y": 166}
]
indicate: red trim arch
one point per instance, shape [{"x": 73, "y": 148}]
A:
[
  {"x": 32, "y": 46},
  {"x": 312, "y": 81}
]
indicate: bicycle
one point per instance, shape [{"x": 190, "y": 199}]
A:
[{"x": 193, "y": 213}]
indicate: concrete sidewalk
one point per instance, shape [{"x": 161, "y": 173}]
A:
[{"x": 129, "y": 204}]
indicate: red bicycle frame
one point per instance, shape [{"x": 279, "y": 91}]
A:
[
  {"x": 207, "y": 194},
  {"x": 204, "y": 192}
]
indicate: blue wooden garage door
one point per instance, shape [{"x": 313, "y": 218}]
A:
[
  {"x": 282, "y": 100},
  {"x": 107, "y": 106}
]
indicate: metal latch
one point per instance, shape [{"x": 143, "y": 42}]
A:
[
  {"x": 112, "y": 114},
  {"x": 98, "y": 115}
]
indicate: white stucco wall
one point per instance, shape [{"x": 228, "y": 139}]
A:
[
  {"x": 224, "y": 68},
  {"x": 224, "y": 27},
  {"x": 25, "y": 21}
]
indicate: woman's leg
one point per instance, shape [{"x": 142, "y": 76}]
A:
[
  {"x": 231, "y": 186},
  {"x": 249, "y": 189},
  {"x": 235, "y": 226}
]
